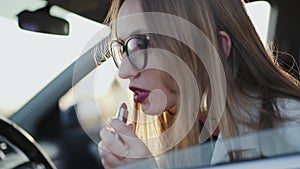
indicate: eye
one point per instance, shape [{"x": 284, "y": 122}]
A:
[{"x": 136, "y": 44}]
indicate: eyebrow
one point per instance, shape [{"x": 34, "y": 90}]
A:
[{"x": 139, "y": 31}]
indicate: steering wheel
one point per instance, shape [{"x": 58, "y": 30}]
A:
[{"x": 19, "y": 150}]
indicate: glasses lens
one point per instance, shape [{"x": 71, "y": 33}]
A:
[
  {"x": 136, "y": 51},
  {"x": 117, "y": 52}
]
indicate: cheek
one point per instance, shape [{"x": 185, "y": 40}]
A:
[
  {"x": 163, "y": 95},
  {"x": 161, "y": 80},
  {"x": 171, "y": 90},
  {"x": 169, "y": 83}
]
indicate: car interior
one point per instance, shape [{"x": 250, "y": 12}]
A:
[{"x": 45, "y": 134}]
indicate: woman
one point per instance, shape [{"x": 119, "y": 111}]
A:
[{"x": 189, "y": 63}]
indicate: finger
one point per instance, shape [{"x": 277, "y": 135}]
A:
[
  {"x": 126, "y": 133},
  {"x": 108, "y": 159},
  {"x": 104, "y": 164},
  {"x": 101, "y": 147},
  {"x": 112, "y": 144},
  {"x": 121, "y": 128}
]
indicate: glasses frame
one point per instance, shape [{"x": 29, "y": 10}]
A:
[{"x": 124, "y": 45}]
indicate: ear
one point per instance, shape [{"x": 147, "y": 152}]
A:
[{"x": 225, "y": 42}]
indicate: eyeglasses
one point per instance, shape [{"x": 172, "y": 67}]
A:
[{"x": 133, "y": 44}]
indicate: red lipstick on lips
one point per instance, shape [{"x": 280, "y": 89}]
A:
[{"x": 139, "y": 94}]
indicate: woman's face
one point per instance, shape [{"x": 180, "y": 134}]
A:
[{"x": 154, "y": 89}]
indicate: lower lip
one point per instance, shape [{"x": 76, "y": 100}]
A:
[{"x": 141, "y": 97}]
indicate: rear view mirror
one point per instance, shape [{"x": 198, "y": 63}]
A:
[{"x": 41, "y": 21}]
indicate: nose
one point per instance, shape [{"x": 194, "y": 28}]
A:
[{"x": 126, "y": 70}]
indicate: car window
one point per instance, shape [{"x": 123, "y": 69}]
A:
[
  {"x": 269, "y": 144},
  {"x": 259, "y": 12}
]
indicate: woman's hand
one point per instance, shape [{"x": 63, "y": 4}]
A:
[{"x": 117, "y": 150}]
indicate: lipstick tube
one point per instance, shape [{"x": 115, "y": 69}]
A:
[{"x": 122, "y": 115}]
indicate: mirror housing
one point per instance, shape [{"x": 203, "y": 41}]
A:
[{"x": 41, "y": 21}]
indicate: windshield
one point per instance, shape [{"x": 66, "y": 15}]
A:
[{"x": 30, "y": 60}]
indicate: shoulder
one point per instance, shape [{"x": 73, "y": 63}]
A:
[
  {"x": 288, "y": 107},
  {"x": 260, "y": 142}
]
